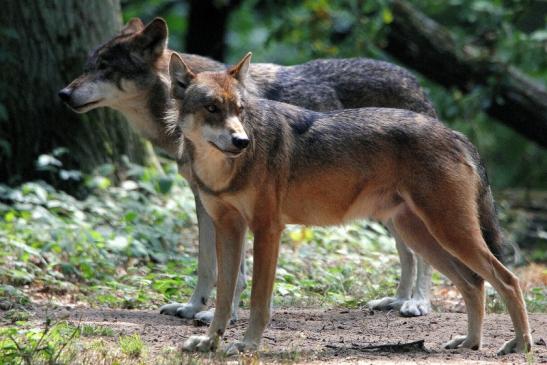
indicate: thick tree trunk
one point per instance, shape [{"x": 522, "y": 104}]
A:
[
  {"x": 421, "y": 43},
  {"x": 49, "y": 43},
  {"x": 207, "y": 22}
]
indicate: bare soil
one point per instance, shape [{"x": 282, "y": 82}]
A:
[{"x": 328, "y": 335}]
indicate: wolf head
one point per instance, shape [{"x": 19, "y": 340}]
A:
[
  {"x": 210, "y": 105},
  {"x": 120, "y": 69}
]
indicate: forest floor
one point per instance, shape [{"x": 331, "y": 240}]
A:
[{"x": 298, "y": 335}]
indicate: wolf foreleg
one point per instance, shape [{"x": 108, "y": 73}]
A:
[
  {"x": 265, "y": 254},
  {"x": 230, "y": 233}
]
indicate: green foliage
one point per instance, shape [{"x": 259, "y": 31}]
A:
[
  {"x": 536, "y": 299},
  {"x": 336, "y": 265},
  {"x": 110, "y": 242},
  {"x": 89, "y": 330},
  {"x": 11, "y": 297},
  {"x": 131, "y": 346},
  {"x": 47, "y": 345}
]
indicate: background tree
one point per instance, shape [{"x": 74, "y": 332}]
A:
[
  {"x": 199, "y": 26},
  {"x": 44, "y": 47}
]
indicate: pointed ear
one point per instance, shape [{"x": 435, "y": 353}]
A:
[
  {"x": 181, "y": 76},
  {"x": 241, "y": 70},
  {"x": 133, "y": 26},
  {"x": 153, "y": 38}
]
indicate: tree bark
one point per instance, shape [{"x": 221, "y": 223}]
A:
[
  {"x": 47, "y": 47},
  {"x": 207, "y": 22},
  {"x": 422, "y": 44}
]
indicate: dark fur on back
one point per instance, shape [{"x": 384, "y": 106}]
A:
[{"x": 330, "y": 84}]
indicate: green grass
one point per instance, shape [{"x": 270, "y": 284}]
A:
[
  {"x": 89, "y": 330},
  {"x": 131, "y": 346}
]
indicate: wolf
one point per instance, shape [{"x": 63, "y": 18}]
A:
[
  {"x": 264, "y": 164},
  {"x": 130, "y": 74}
]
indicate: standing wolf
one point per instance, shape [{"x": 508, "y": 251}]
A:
[
  {"x": 264, "y": 164},
  {"x": 129, "y": 73}
]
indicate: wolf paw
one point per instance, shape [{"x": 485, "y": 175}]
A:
[
  {"x": 387, "y": 303},
  {"x": 187, "y": 310},
  {"x": 523, "y": 344},
  {"x": 239, "y": 347},
  {"x": 415, "y": 308},
  {"x": 462, "y": 342},
  {"x": 200, "y": 343},
  {"x": 205, "y": 318}
]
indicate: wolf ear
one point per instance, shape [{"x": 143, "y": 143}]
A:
[
  {"x": 153, "y": 38},
  {"x": 241, "y": 70},
  {"x": 133, "y": 26},
  {"x": 181, "y": 76}
]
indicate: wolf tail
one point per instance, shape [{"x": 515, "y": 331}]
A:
[
  {"x": 490, "y": 227},
  {"x": 488, "y": 218}
]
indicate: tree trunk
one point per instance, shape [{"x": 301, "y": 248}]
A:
[
  {"x": 421, "y": 43},
  {"x": 207, "y": 22},
  {"x": 47, "y": 45}
]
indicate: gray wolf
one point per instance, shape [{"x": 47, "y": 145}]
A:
[
  {"x": 130, "y": 74},
  {"x": 264, "y": 164}
]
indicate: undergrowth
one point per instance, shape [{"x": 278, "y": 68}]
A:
[{"x": 133, "y": 245}]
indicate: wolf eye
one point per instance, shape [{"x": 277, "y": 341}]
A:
[
  {"x": 211, "y": 108},
  {"x": 102, "y": 65}
]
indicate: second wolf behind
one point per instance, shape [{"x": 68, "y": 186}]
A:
[{"x": 130, "y": 73}]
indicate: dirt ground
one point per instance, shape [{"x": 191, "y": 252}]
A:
[{"x": 328, "y": 335}]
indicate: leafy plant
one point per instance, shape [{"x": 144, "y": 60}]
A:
[{"x": 47, "y": 345}]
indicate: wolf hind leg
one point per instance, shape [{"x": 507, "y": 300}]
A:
[
  {"x": 455, "y": 225},
  {"x": 410, "y": 300},
  {"x": 408, "y": 275},
  {"x": 420, "y": 303},
  {"x": 413, "y": 230}
]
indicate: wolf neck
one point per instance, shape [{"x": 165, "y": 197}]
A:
[
  {"x": 147, "y": 112},
  {"x": 215, "y": 173}
]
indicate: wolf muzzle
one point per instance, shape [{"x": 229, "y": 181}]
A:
[
  {"x": 240, "y": 141},
  {"x": 65, "y": 94}
]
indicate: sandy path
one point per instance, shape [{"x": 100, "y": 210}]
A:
[{"x": 326, "y": 336}]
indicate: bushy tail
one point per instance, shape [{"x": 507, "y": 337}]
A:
[
  {"x": 488, "y": 218},
  {"x": 490, "y": 227}
]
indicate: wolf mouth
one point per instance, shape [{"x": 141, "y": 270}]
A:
[
  {"x": 228, "y": 153},
  {"x": 83, "y": 106}
]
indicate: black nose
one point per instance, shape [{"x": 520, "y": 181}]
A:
[
  {"x": 64, "y": 94},
  {"x": 240, "y": 141}
]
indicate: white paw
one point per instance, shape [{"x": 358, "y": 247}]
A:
[
  {"x": 240, "y": 346},
  {"x": 188, "y": 310},
  {"x": 415, "y": 308},
  {"x": 170, "y": 309},
  {"x": 523, "y": 344},
  {"x": 463, "y": 342},
  {"x": 387, "y": 303},
  {"x": 204, "y": 317},
  {"x": 200, "y": 343}
]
